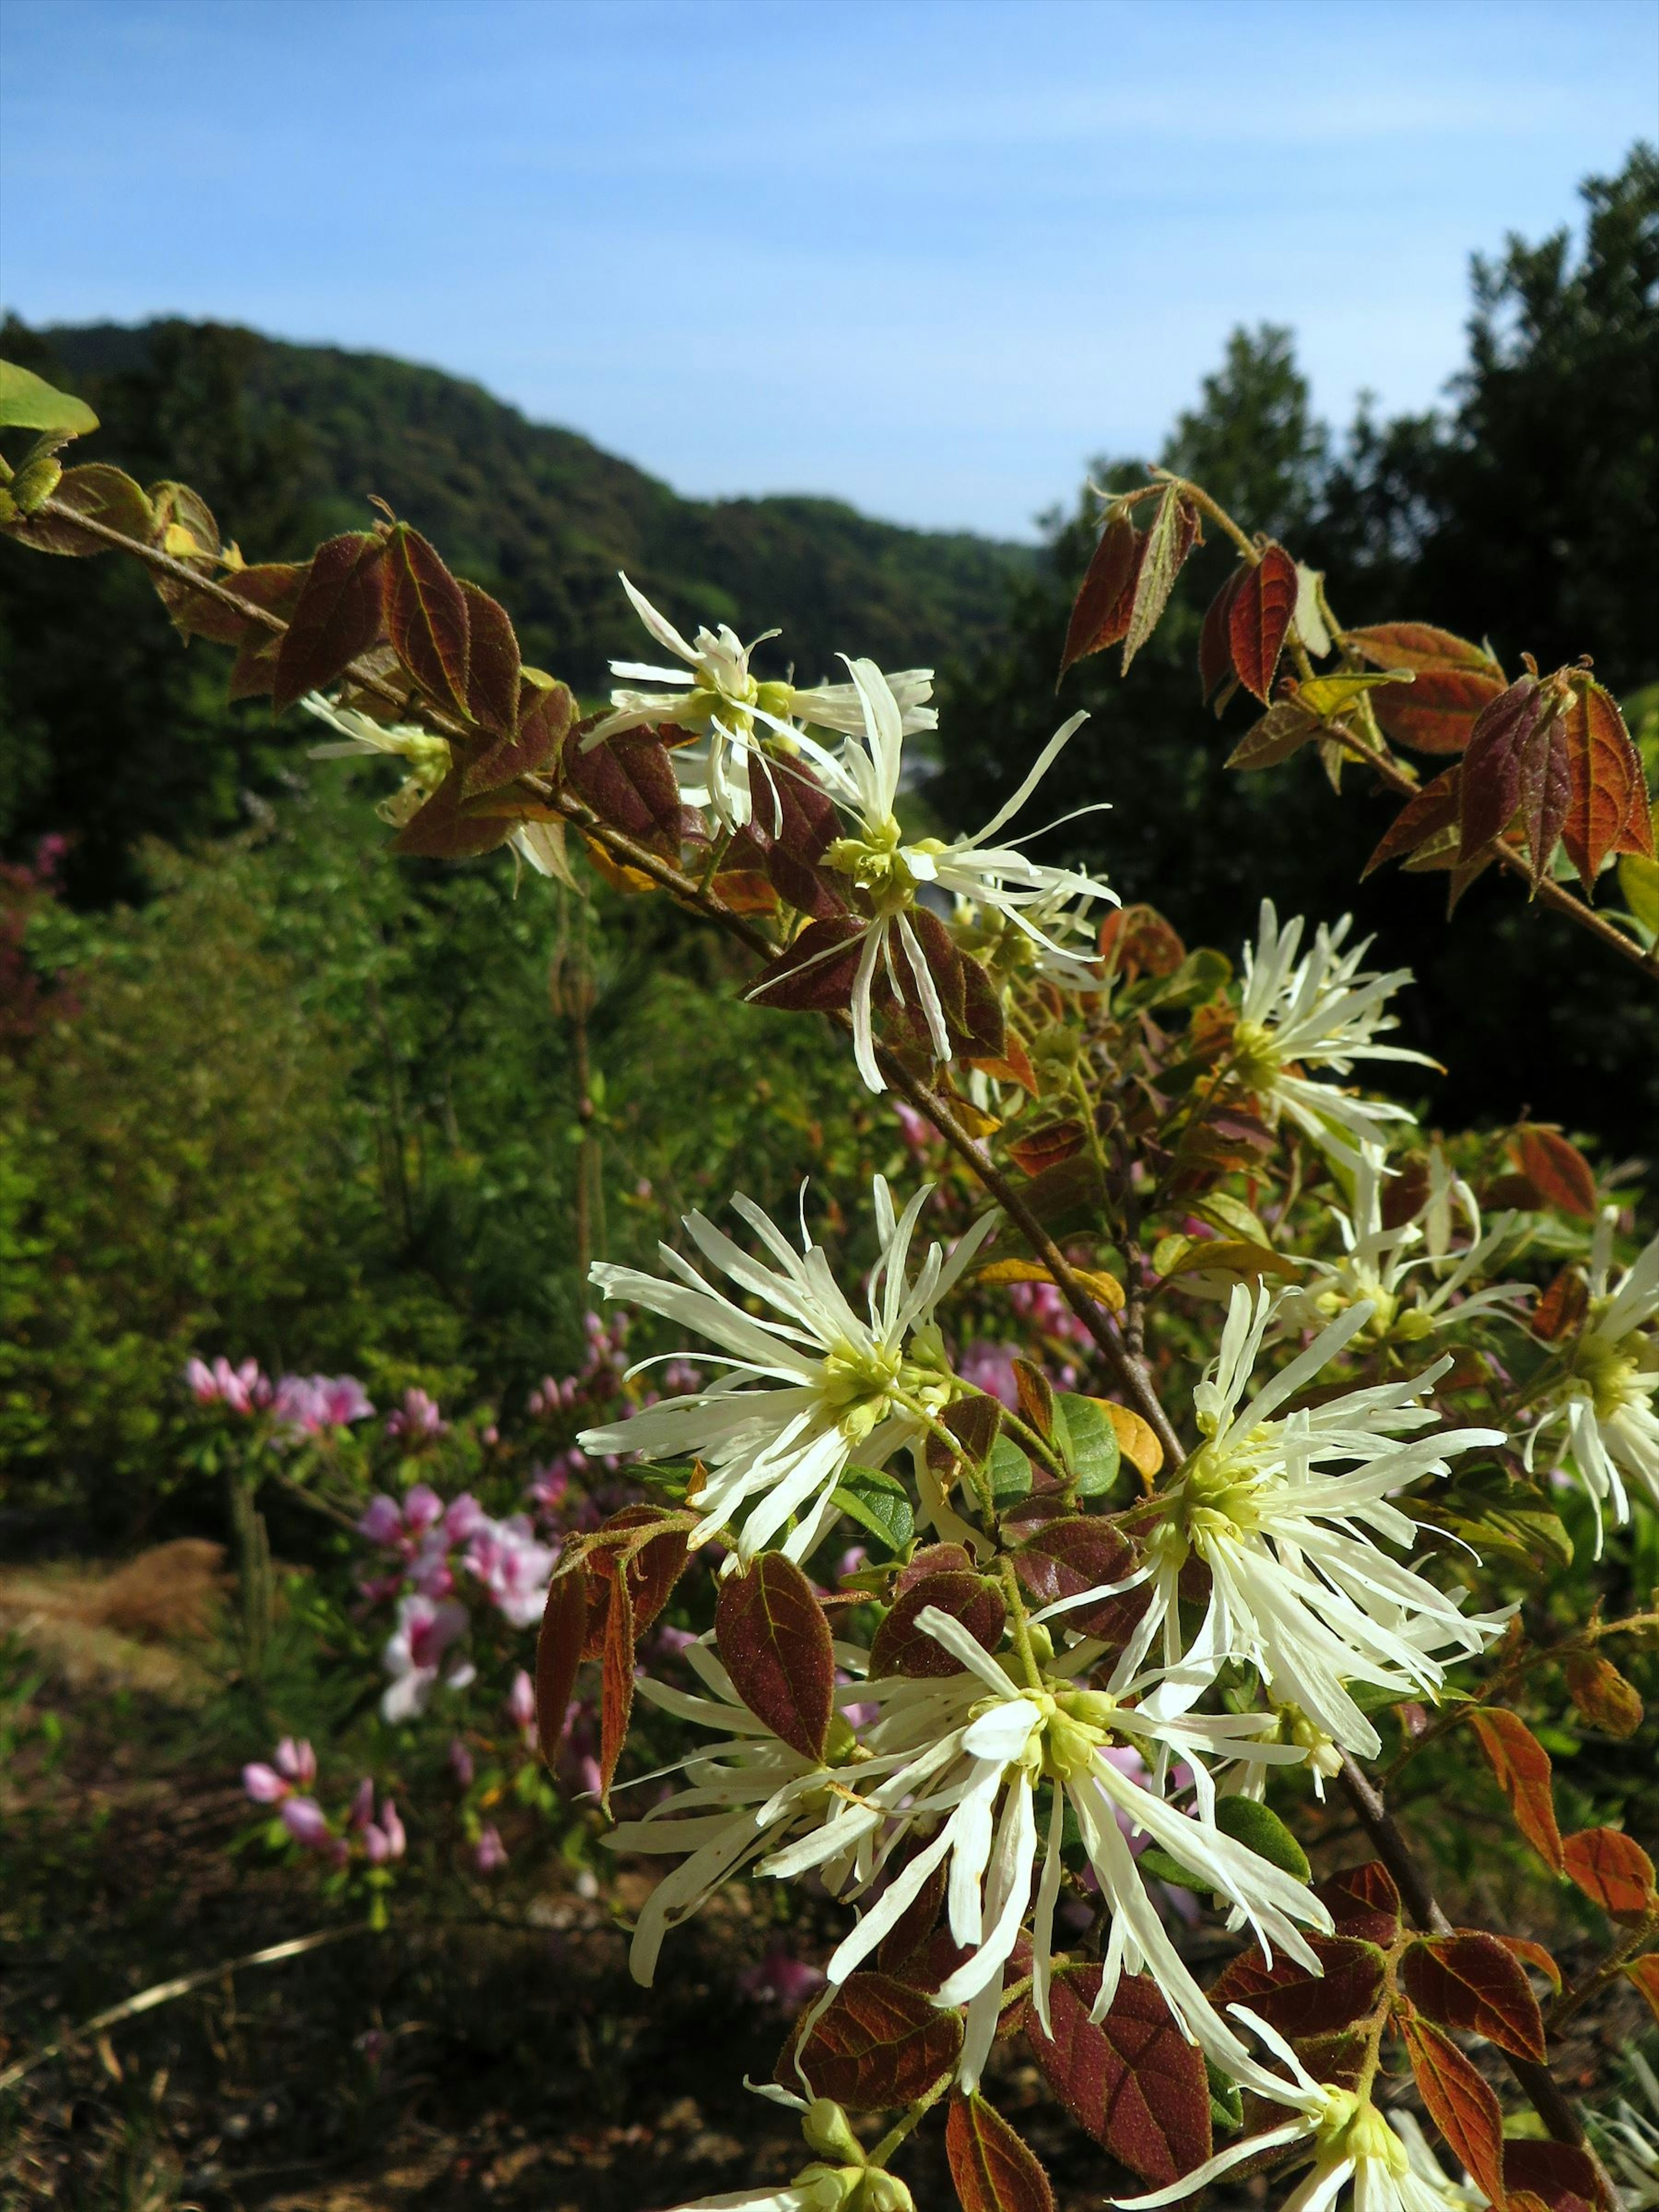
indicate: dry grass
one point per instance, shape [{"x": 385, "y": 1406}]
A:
[{"x": 130, "y": 1628}]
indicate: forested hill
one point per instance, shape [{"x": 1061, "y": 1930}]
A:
[
  {"x": 297, "y": 436},
  {"x": 108, "y": 733}
]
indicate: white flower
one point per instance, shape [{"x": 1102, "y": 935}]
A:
[
  {"x": 541, "y": 844},
  {"x": 1630, "y": 2141},
  {"x": 1382, "y": 1266},
  {"x": 1319, "y": 1013},
  {"x": 976, "y": 1745},
  {"x": 414, "y": 1653},
  {"x": 863, "y": 779},
  {"x": 809, "y": 1387},
  {"x": 727, "y": 706},
  {"x": 1607, "y": 1403},
  {"x": 1351, "y": 2140},
  {"x": 1299, "y": 1588},
  {"x": 750, "y": 1792}
]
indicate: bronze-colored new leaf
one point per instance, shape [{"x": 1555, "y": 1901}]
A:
[
  {"x": 1106, "y": 597},
  {"x": 1131, "y": 2079},
  {"x": 1556, "y": 1168},
  {"x": 1260, "y": 618},
  {"x": 879, "y": 2042},
  {"x": 337, "y": 615},
  {"x": 1416, "y": 645},
  {"x": 774, "y": 1643},
  {"x": 1525, "y": 1776},
  {"x": 1460, "y": 2102},
  {"x": 1613, "y": 1871},
  {"x": 1607, "y": 778},
  {"x": 1215, "y": 652},
  {"x": 994, "y": 2168},
  {"x": 426, "y": 617},
  {"x": 559, "y": 1653},
  {"x": 1469, "y": 1981},
  {"x": 901, "y": 1648},
  {"x": 1489, "y": 792},
  {"x": 1437, "y": 713},
  {"x": 1083, "y": 1551}
]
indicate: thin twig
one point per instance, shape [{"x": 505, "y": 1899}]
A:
[{"x": 162, "y": 1993}]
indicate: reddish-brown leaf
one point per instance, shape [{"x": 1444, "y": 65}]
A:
[
  {"x": 974, "y": 1423},
  {"x": 490, "y": 692},
  {"x": 1561, "y": 1309},
  {"x": 337, "y": 615},
  {"x": 1299, "y": 2003},
  {"x": 901, "y": 1648},
  {"x": 1556, "y": 1168},
  {"x": 1645, "y": 1972},
  {"x": 1613, "y": 1871},
  {"x": 1132, "y": 2081},
  {"x": 815, "y": 971},
  {"x": 1417, "y": 645},
  {"x": 984, "y": 1026},
  {"x": 879, "y": 2043},
  {"x": 1534, "y": 1954},
  {"x": 445, "y": 830},
  {"x": 275, "y": 584},
  {"x": 558, "y": 1654},
  {"x": 993, "y": 2169},
  {"x": 1364, "y": 1901},
  {"x": 546, "y": 713},
  {"x": 1036, "y": 1396},
  {"x": 774, "y": 1643},
  {"x": 1048, "y": 1146},
  {"x": 426, "y": 615},
  {"x": 1524, "y": 1775},
  {"x": 1431, "y": 809},
  {"x": 1489, "y": 792},
  {"x": 1460, "y": 2102},
  {"x": 1560, "y": 2175},
  {"x": 915, "y": 1923},
  {"x": 1259, "y": 617},
  {"x": 1136, "y": 941},
  {"x": 1469, "y": 1981},
  {"x": 1546, "y": 788},
  {"x": 1606, "y": 1700},
  {"x": 1438, "y": 712},
  {"x": 1079, "y": 1552},
  {"x": 1106, "y": 597},
  {"x": 103, "y": 493},
  {"x": 1215, "y": 652},
  {"x": 628, "y": 781},
  {"x": 617, "y": 1682},
  {"x": 1607, "y": 776}
]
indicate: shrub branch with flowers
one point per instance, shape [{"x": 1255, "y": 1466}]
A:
[{"x": 1316, "y": 1394}]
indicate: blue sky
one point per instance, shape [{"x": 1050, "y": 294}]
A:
[{"x": 929, "y": 256}]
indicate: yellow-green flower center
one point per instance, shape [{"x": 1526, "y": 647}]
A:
[
  {"x": 1611, "y": 1372},
  {"x": 864, "y": 1383},
  {"x": 1256, "y": 1055},
  {"x": 878, "y": 862}
]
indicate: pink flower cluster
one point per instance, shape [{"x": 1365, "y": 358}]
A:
[
  {"x": 435, "y": 1546},
  {"x": 303, "y": 1405},
  {"x": 286, "y": 1783},
  {"x": 417, "y": 1418},
  {"x": 600, "y": 1375}
]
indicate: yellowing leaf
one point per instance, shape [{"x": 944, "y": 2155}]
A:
[
  {"x": 1135, "y": 1438},
  {"x": 1325, "y": 697},
  {"x": 1104, "y": 1289},
  {"x": 179, "y": 541}
]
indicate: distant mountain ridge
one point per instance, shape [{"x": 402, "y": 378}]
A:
[{"x": 288, "y": 441}]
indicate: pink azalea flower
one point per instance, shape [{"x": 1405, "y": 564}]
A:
[
  {"x": 990, "y": 1367},
  {"x": 422, "y": 1509},
  {"x": 385, "y": 1839},
  {"x": 418, "y": 1417},
  {"x": 460, "y": 1762},
  {"x": 263, "y": 1784},
  {"x": 414, "y": 1652},
  {"x": 780, "y": 1982},
  {"x": 381, "y": 1521},
  {"x": 521, "y": 1705},
  {"x": 489, "y": 1852},
  {"x": 304, "y": 1819},
  {"x": 514, "y": 1566},
  {"x": 297, "y": 1762}
]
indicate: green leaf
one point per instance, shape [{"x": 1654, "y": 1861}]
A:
[
  {"x": 1226, "y": 2098},
  {"x": 1010, "y": 1472},
  {"x": 1262, "y": 1830},
  {"x": 1638, "y": 879},
  {"x": 1088, "y": 1443},
  {"x": 27, "y": 402},
  {"x": 880, "y": 1505},
  {"x": 1157, "y": 1862}
]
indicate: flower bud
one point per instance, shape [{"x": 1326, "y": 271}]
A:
[
  {"x": 884, "y": 2192},
  {"x": 828, "y": 2132}
]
